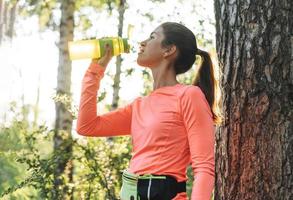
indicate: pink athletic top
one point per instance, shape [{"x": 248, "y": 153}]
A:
[{"x": 170, "y": 128}]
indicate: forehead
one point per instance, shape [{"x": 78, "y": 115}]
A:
[{"x": 158, "y": 31}]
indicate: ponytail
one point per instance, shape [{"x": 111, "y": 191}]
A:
[{"x": 205, "y": 79}]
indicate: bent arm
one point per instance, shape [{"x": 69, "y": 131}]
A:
[
  {"x": 117, "y": 122},
  {"x": 200, "y": 129}
]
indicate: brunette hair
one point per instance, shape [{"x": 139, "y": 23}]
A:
[{"x": 185, "y": 41}]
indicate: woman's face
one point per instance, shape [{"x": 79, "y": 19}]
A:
[{"x": 151, "y": 51}]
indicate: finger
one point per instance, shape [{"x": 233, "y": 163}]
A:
[
  {"x": 108, "y": 50},
  {"x": 107, "y": 47}
]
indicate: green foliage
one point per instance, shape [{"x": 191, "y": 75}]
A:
[
  {"x": 41, "y": 8},
  {"x": 189, "y": 181},
  {"x": 98, "y": 5},
  {"x": 28, "y": 163},
  {"x": 18, "y": 144},
  {"x": 84, "y": 23},
  {"x": 10, "y": 144},
  {"x": 31, "y": 156},
  {"x": 66, "y": 100},
  {"x": 47, "y": 11},
  {"x": 148, "y": 86},
  {"x": 98, "y": 166}
]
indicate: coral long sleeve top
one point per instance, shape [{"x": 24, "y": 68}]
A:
[{"x": 170, "y": 128}]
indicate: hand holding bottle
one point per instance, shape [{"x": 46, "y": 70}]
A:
[{"x": 104, "y": 60}]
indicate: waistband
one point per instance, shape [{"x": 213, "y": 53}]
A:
[{"x": 134, "y": 178}]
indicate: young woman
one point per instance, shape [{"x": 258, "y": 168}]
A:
[{"x": 171, "y": 128}]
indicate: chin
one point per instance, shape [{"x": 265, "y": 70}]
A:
[
  {"x": 141, "y": 62},
  {"x": 144, "y": 61}
]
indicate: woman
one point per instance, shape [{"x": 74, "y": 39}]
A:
[{"x": 170, "y": 128}]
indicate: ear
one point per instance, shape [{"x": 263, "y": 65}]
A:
[{"x": 170, "y": 50}]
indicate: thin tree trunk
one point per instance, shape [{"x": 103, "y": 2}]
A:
[
  {"x": 116, "y": 87},
  {"x": 63, "y": 123},
  {"x": 12, "y": 15},
  {"x": 5, "y": 8},
  {"x": 254, "y": 154},
  {"x": 36, "y": 106},
  {"x": 1, "y": 20}
]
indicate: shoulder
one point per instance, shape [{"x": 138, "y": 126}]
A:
[
  {"x": 193, "y": 97},
  {"x": 136, "y": 100},
  {"x": 191, "y": 91}
]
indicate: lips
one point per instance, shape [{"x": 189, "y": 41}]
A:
[{"x": 141, "y": 50}]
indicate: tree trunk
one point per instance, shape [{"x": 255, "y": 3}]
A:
[
  {"x": 254, "y": 154},
  {"x": 12, "y": 15},
  {"x": 116, "y": 87},
  {"x": 63, "y": 123},
  {"x": 1, "y": 20},
  {"x": 36, "y": 106}
]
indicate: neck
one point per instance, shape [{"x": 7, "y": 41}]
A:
[{"x": 163, "y": 75}]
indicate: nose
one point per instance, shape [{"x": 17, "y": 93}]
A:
[{"x": 143, "y": 43}]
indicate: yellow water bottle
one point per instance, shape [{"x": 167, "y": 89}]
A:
[{"x": 95, "y": 48}]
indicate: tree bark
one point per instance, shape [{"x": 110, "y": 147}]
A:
[
  {"x": 63, "y": 122},
  {"x": 254, "y": 146},
  {"x": 116, "y": 87}
]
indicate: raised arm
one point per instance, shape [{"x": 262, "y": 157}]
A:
[
  {"x": 117, "y": 122},
  {"x": 199, "y": 125}
]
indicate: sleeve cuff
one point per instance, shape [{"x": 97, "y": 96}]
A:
[{"x": 96, "y": 69}]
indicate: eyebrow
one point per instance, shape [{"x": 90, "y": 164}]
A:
[{"x": 153, "y": 32}]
